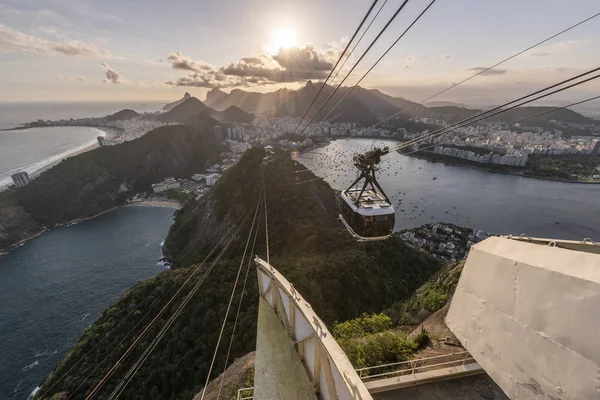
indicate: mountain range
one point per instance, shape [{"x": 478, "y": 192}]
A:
[
  {"x": 364, "y": 106},
  {"x": 189, "y": 110}
]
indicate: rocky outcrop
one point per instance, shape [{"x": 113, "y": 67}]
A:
[
  {"x": 174, "y": 104},
  {"x": 16, "y": 224},
  {"x": 238, "y": 376}
]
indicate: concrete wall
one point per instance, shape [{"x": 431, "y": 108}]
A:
[
  {"x": 278, "y": 371},
  {"x": 530, "y": 315}
]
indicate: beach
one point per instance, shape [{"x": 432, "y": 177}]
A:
[{"x": 35, "y": 166}]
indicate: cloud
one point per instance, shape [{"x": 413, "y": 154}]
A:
[
  {"x": 445, "y": 57},
  {"x": 46, "y": 14},
  {"x": 149, "y": 83},
  {"x": 112, "y": 76},
  {"x": 178, "y": 61},
  {"x": 557, "y": 48},
  {"x": 302, "y": 59},
  {"x": 493, "y": 71},
  {"x": 72, "y": 78},
  {"x": 15, "y": 41},
  {"x": 411, "y": 58},
  {"x": 294, "y": 64}
]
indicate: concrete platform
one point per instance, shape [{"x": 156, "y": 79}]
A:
[
  {"x": 479, "y": 387},
  {"x": 529, "y": 313}
]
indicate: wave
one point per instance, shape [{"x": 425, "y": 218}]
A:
[
  {"x": 30, "y": 366},
  {"x": 84, "y": 317},
  {"x": 46, "y": 353},
  {"x": 32, "y": 169},
  {"x": 37, "y": 388},
  {"x": 164, "y": 264}
]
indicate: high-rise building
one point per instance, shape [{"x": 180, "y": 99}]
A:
[
  {"x": 101, "y": 141},
  {"x": 20, "y": 178},
  {"x": 229, "y": 132},
  {"x": 595, "y": 146},
  {"x": 218, "y": 134}
]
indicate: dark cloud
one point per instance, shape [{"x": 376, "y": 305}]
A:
[
  {"x": 252, "y": 60},
  {"x": 294, "y": 64},
  {"x": 490, "y": 72},
  {"x": 179, "y": 61},
  {"x": 112, "y": 76}
]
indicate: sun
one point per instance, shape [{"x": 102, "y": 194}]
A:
[{"x": 284, "y": 38}]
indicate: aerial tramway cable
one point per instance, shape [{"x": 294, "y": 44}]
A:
[
  {"x": 369, "y": 70},
  {"x": 239, "y": 307},
  {"x": 356, "y": 64},
  {"x": 237, "y": 277},
  {"x": 500, "y": 109},
  {"x": 479, "y": 73},
  {"x": 516, "y": 121},
  {"x": 137, "y": 365},
  {"x": 338, "y": 61},
  {"x": 98, "y": 344},
  {"x": 132, "y": 346},
  {"x": 358, "y": 42}
]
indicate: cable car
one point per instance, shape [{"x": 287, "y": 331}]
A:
[{"x": 367, "y": 212}]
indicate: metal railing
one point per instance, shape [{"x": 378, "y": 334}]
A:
[
  {"x": 415, "y": 366},
  {"x": 243, "y": 393},
  {"x": 401, "y": 368}
]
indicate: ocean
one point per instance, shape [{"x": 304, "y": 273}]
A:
[
  {"x": 53, "y": 287},
  {"x": 32, "y": 149},
  {"x": 496, "y": 203}
]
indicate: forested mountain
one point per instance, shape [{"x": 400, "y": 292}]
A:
[
  {"x": 174, "y": 104},
  {"x": 185, "y": 111},
  {"x": 236, "y": 114},
  {"x": 87, "y": 184},
  {"x": 286, "y": 102},
  {"x": 122, "y": 115},
  {"x": 338, "y": 276}
]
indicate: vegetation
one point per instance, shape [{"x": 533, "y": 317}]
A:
[
  {"x": 566, "y": 167},
  {"x": 430, "y": 297},
  {"x": 368, "y": 341},
  {"x": 179, "y": 196},
  {"x": 307, "y": 245},
  {"x": 95, "y": 181}
]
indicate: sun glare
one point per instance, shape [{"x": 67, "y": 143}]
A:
[{"x": 284, "y": 38}]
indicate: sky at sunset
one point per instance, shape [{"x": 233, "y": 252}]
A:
[{"x": 80, "y": 50}]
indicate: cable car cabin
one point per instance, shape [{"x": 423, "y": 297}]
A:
[{"x": 370, "y": 218}]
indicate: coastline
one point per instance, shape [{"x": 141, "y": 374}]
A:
[
  {"x": 174, "y": 204},
  {"x": 109, "y": 133},
  {"x": 512, "y": 173},
  {"x": 166, "y": 203}
]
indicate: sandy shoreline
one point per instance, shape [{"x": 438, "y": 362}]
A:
[
  {"x": 109, "y": 134},
  {"x": 156, "y": 203}
]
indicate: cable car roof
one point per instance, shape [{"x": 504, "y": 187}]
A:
[{"x": 371, "y": 203}]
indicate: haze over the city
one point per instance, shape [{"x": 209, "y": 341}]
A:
[{"x": 72, "y": 50}]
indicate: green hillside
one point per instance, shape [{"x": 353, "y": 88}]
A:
[{"x": 338, "y": 276}]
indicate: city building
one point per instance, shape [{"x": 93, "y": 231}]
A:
[
  {"x": 218, "y": 133},
  {"x": 168, "y": 183},
  {"x": 595, "y": 147},
  {"x": 198, "y": 177},
  {"x": 102, "y": 141},
  {"x": 212, "y": 179},
  {"x": 20, "y": 178}
]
